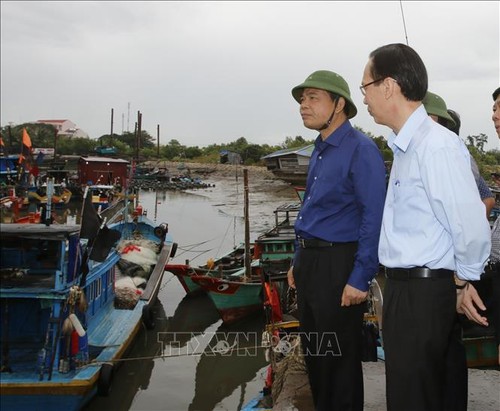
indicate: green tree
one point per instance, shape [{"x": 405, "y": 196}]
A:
[
  {"x": 146, "y": 141},
  {"x": 192, "y": 152},
  {"x": 296, "y": 142},
  {"x": 41, "y": 135},
  {"x": 76, "y": 146},
  {"x": 477, "y": 141},
  {"x": 172, "y": 150}
]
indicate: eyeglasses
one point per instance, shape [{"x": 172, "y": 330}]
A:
[{"x": 363, "y": 86}]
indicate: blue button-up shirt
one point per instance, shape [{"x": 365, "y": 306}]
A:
[
  {"x": 344, "y": 197},
  {"x": 433, "y": 215}
]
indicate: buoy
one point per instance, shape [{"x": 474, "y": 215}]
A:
[
  {"x": 161, "y": 230},
  {"x": 105, "y": 379},
  {"x": 173, "y": 250},
  {"x": 77, "y": 324},
  {"x": 210, "y": 263},
  {"x": 74, "y": 343}
]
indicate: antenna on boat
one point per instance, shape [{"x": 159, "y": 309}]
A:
[
  {"x": 48, "y": 208},
  {"x": 404, "y": 23}
]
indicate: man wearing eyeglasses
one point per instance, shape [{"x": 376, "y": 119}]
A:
[
  {"x": 433, "y": 226},
  {"x": 337, "y": 230}
]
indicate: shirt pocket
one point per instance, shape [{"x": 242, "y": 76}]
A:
[{"x": 409, "y": 204}]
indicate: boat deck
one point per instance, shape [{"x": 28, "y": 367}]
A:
[{"x": 106, "y": 340}]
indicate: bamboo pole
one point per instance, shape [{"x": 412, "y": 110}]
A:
[{"x": 248, "y": 259}]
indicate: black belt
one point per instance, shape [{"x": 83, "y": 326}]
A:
[
  {"x": 313, "y": 243},
  {"x": 417, "y": 272}
]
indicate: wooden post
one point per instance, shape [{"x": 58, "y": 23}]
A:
[
  {"x": 158, "y": 140},
  {"x": 138, "y": 136},
  {"x": 55, "y": 144},
  {"x": 111, "y": 134},
  {"x": 248, "y": 257}
]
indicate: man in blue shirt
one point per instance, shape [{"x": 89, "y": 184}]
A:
[
  {"x": 337, "y": 232},
  {"x": 434, "y": 225}
]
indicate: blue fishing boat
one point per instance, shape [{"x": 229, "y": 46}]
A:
[{"x": 72, "y": 303}]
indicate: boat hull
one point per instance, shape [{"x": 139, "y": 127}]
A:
[
  {"x": 109, "y": 333},
  {"x": 234, "y": 300}
]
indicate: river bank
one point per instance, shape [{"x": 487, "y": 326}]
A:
[{"x": 211, "y": 171}]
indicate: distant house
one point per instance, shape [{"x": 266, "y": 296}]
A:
[
  {"x": 65, "y": 128},
  {"x": 229, "y": 157},
  {"x": 102, "y": 170},
  {"x": 290, "y": 164}
]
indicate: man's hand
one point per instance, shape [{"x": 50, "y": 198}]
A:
[
  {"x": 468, "y": 301},
  {"x": 352, "y": 296},
  {"x": 291, "y": 280}
]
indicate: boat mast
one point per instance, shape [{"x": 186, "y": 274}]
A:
[
  {"x": 48, "y": 205},
  {"x": 247, "y": 224}
]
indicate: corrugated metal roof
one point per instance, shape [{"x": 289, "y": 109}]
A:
[
  {"x": 303, "y": 151},
  {"x": 105, "y": 160}
]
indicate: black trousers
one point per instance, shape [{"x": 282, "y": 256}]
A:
[
  {"x": 457, "y": 373},
  {"x": 331, "y": 335},
  {"x": 418, "y": 318}
]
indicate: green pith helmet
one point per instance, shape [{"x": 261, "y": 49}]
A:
[
  {"x": 329, "y": 81},
  {"x": 435, "y": 105}
]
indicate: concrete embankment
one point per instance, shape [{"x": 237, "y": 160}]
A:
[{"x": 484, "y": 390}]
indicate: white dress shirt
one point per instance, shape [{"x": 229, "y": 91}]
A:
[{"x": 433, "y": 215}]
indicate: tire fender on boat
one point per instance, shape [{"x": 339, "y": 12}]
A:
[
  {"x": 148, "y": 317},
  {"x": 105, "y": 379},
  {"x": 173, "y": 250}
]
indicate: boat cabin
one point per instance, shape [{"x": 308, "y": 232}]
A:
[{"x": 102, "y": 170}]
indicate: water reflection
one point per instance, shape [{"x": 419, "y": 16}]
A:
[
  {"x": 134, "y": 373},
  {"x": 232, "y": 358},
  {"x": 192, "y": 316}
]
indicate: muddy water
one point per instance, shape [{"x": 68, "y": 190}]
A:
[{"x": 174, "y": 367}]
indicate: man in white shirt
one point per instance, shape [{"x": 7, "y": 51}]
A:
[{"x": 433, "y": 225}]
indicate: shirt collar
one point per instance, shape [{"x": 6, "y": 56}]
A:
[
  {"x": 402, "y": 140},
  {"x": 336, "y": 138}
]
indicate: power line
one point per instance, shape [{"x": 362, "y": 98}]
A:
[{"x": 404, "y": 23}]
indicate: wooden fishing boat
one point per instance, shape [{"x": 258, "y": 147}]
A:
[
  {"x": 240, "y": 294},
  {"x": 63, "y": 327},
  {"x": 236, "y": 296},
  {"x": 279, "y": 242},
  {"x": 61, "y": 195},
  {"x": 251, "y": 289},
  {"x": 102, "y": 195},
  {"x": 230, "y": 263}
]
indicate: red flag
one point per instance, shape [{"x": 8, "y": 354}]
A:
[
  {"x": 26, "y": 158},
  {"x": 26, "y": 139}
]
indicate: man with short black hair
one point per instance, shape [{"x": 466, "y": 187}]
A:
[{"x": 433, "y": 225}]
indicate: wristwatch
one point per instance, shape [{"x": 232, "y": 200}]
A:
[{"x": 458, "y": 283}]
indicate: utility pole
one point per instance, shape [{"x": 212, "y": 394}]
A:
[
  {"x": 128, "y": 118},
  {"x": 139, "y": 133},
  {"x": 111, "y": 134},
  {"x": 158, "y": 140}
]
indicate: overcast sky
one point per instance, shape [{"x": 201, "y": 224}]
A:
[{"x": 211, "y": 72}]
